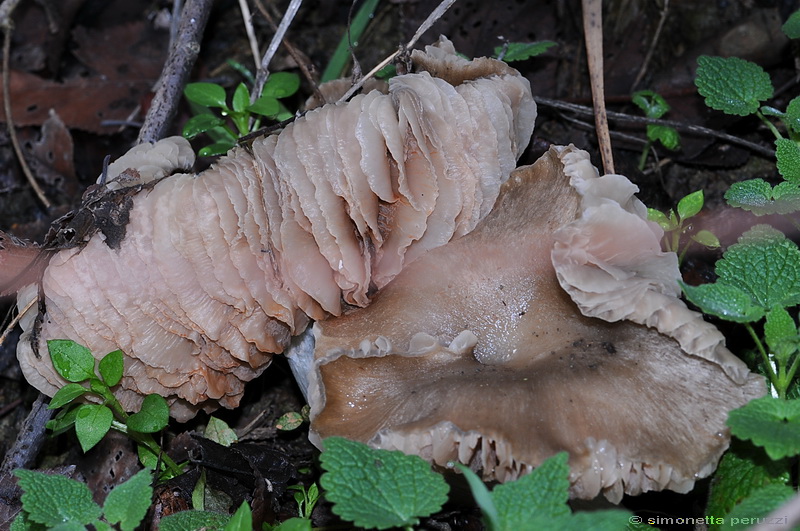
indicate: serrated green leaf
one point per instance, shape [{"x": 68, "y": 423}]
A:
[
  {"x": 723, "y": 301},
  {"x": 128, "y": 502},
  {"x": 23, "y": 523},
  {"x": 200, "y": 124},
  {"x": 92, "y": 422},
  {"x": 690, "y": 205},
  {"x": 542, "y": 493},
  {"x": 289, "y": 421},
  {"x": 219, "y": 432},
  {"x": 792, "y": 116},
  {"x": 607, "y": 520},
  {"x": 194, "y": 520},
  {"x": 771, "y": 423},
  {"x": 111, "y": 368},
  {"x": 66, "y": 394},
  {"x": 218, "y": 148},
  {"x": 242, "y": 519},
  {"x": 72, "y": 361},
  {"x": 707, "y": 238},
  {"x": 792, "y": 25},
  {"x": 743, "y": 469},
  {"x": 379, "y": 488},
  {"x": 52, "y": 500},
  {"x": 758, "y": 197},
  {"x": 281, "y": 85},
  {"x": 653, "y": 105},
  {"x": 206, "y": 94},
  {"x": 756, "y": 506},
  {"x": 152, "y": 417},
  {"x": 766, "y": 265},
  {"x": 668, "y": 136},
  {"x": 780, "y": 331},
  {"x": 788, "y": 154},
  {"x": 519, "y": 51},
  {"x": 294, "y": 524},
  {"x": 265, "y": 106},
  {"x": 732, "y": 85},
  {"x": 241, "y": 98}
]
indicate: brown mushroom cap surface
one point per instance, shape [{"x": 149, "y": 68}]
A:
[{"x": 475, "y": 353}]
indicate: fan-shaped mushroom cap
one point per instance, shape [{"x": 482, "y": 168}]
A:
[
  {"x": 475, "y": 353},
  {"x": 217, "y": 271}
]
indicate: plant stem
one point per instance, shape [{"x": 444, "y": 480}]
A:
[
  {"x": 770, "y": 125},
  {"x": 773, "y": 378},
  {"x": 645, "y": 152}
]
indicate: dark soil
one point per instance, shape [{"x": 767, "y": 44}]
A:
[{"x": 95, "y": 61}]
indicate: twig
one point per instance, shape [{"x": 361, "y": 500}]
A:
[
  {"x": 7, "y": 330},
  {"x": 6, "y": 9},
  {"x": 174, "y": 23},
  {"x": 652, "y": 47},
  {"x": 29, "y": 439},
  {"x": 425, "y": 26},
  {"x": 176, "y": 71},
  {"x": 248, "y": 28},
  {"x": 593, "y": 33},
  {"x": 263, "y": 70},
  {"x": 301, "y": 61},
  {"x": 680, "y": 126}
]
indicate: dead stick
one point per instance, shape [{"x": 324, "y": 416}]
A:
[
  {"x": 593, "y": 32},
  {"x": 176, "y": 71}
]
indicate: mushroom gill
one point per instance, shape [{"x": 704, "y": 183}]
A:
[
  {"x": 475, "y": 353},
  {"x": 205, "y": 276}
]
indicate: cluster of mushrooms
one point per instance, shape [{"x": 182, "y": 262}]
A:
[{"x": 463, "y": 310}]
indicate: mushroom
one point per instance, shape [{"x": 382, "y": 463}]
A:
[
  {"x": 204, "y": 277},
  {"x": 496, "y": 349}
]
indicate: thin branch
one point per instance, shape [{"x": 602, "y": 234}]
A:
[
  {"x": 248, "y": 28},
  {"x": 176, "y": 71},
  {"x": 593, "y": 33},
  {"x": 7, "y": 330},
  {"x": 656, "y": 36},
  {"x": 425, "y": 26},
  {"x": 263, "y": 70},
  {"x": 6, "y": 9},
  {"x": 680, "y": 126}
]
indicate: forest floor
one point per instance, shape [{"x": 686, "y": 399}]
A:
[{"x": 82, "y": 73}]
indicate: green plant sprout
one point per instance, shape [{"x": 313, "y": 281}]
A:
[
  {"x": 293, "y": 419},
  {"x": 92, "y": 420},
  {"x": 306, "y": 499},
  {"x": 341, "y": 56},
  {"x": 674, "y": 225},
  {"x": 654, "y": 106},
  {"x": 246, "y": 117},
  {"x": 520, "y": 51},
  {"x": 58, "y": 502}
]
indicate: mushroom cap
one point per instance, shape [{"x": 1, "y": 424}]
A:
[{"x": 475, "y": 353}]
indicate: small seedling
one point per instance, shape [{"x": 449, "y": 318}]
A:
[
  {"x": 246, "y": 117},
  {"x": 306, "y": 499},
  {"x": 103, "y": 411},
  {"x": 654, "y": 106},
  {"x": 675, "y": 225},
  {"x": 520, "y": 51},
  {"x": 292, "y": 420}
]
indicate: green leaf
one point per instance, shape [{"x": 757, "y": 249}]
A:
[
  {"x": 732, "y": 85},
  {"x": 792, "y": 25},
  {"x": 219, "y": 432},
  {"x": 792, "y": 116},
  {"x": 653, "y": 105},
  {"x": 542, "y": 493},
  {"x": 289, "y": 421},
  {"x": 771, "y": 423},
  {"x": 193, "y": 520},
  {"x": 72, "y": 361},
  {"x": 755, "y": 507},
  {"x": 128, "y": 502},
  {"x": 766, "y": 265},
  {"x": 379, "y": 488},
  {"x": 206, "y": 94},
  {"x": 341, "y": 55},
  {"x": 724, "y": 301},
  {"x": 519, "y": 51},
  {"x": 294, "y": 524},
  {"x": 200, "y": 124},
  {"x": 241, "y": 98},
  {"x": 52, "y": 500},
  {"x": 218, "y": 148},
  {"x": 668, "y": 136},
  {"x": 758, "y": 197},
  {"x": 265, "y": 106},
  {"x": 242, "y": 519},
  {"x": 147, "y": 457},
  {"x": 281, "y": 85},
  {"x": 707, "y": 238},
  {"x": 482, "y": 497},
  {"x": 92, "y": 422},
  {"x": 660, "y": 218},
  {"x": 152, "y": 417},
  {"x": 66, "y": 394},
  {"x": 64, "y": 420},
  {"x": 780, "y": 331},
  {"x": 788, "y": 154},
  {"x": 23, "y": 523},
  {"x": 690, "y": 205},
  {"x": 111, "y": 367}
]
